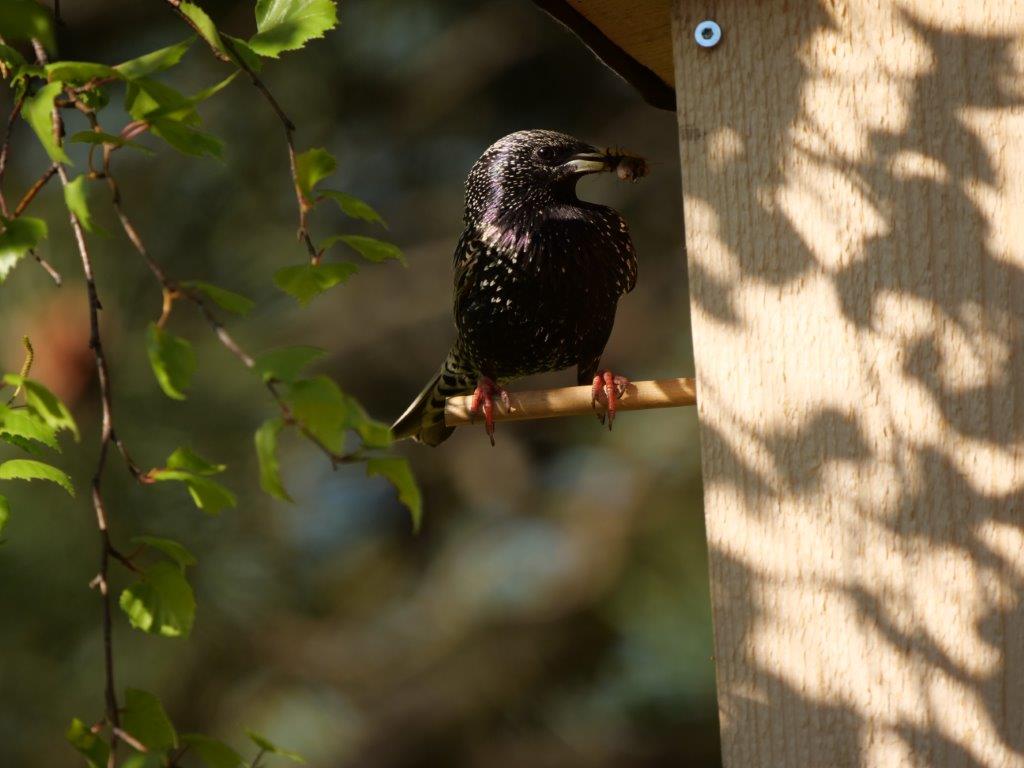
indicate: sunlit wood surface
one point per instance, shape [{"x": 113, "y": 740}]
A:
[
  {"x": 853, "y": 174},
  {"x": 640, "y": 27}
]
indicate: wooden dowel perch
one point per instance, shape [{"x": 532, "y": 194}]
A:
[{"x": 574, "y": 401}]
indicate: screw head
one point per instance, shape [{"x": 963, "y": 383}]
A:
[{"x": 707, "y": 34}]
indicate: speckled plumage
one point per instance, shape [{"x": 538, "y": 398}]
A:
[{"x": 538, "y": 273}]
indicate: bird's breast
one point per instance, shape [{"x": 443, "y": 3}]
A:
[{"x": 535, "y": 307}]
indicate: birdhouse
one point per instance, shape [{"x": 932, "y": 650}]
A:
[{"x": 853, "y": 185}]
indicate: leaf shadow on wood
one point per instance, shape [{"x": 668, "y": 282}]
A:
[
  {"x": 958, "y": 287},
  {"x": 946, "y": 497}
]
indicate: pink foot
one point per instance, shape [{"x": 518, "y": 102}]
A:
[
  {"x": 608, "y": 387},
  {"x": 486, "y": 392}
]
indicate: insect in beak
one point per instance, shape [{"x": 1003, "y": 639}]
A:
[{"x": 626, "y": 166}]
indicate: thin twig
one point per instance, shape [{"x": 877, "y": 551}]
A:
[
  {"x": 128, "y": 739},
  {"x": 172, "y": 290},
  {"x": 131, "y": 233},
  {"x": 176, "y": 4},
  {"x": 286, "y": 123},
  {"x": 289, "y": 137},
  {"x": 53, "y": 273},
  {"x": 286, "y": 412},
  {"x": 220, "y": 331},
  {"x": 5, "y": 149},
  {"x": 125, "y": 560},
  {"x": 30, "y": 195},
  {"x": 172, "y": 761},
  {"x": 107, "y": 437}
]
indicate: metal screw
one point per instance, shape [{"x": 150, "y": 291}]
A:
[{"x": 707, "y": 34}]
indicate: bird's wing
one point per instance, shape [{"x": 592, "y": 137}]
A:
[
  {"x": 625, "y": 242},
  {"x": 467, "y": 254}
]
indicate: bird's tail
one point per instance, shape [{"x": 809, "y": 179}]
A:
[{"x": 424, "y": 419}]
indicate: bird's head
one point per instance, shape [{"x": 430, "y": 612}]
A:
[{"x": 530, "y": 169}]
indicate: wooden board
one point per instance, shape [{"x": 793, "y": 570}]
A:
[
  {"x": 642, "y": 28},
  {"x": 853, "y": 175},
  {"x": 632, "y": 38}
]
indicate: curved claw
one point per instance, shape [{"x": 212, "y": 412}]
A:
[
  {"x": 611, "y": 388},
  {"x": 487, "y": 390}
]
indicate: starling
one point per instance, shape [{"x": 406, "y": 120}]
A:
[{"x": 538, "y": 274}]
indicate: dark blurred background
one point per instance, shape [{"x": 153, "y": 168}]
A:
[{"x": 554, "y": 609}]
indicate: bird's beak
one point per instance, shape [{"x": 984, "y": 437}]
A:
[{"x": 590, "y": 161}]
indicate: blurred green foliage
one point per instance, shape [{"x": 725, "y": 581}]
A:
[{"x": 553, "y": 609}]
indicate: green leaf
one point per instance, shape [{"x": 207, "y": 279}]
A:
[
  {"x": 213, "y": 752},
  {"x": 266, "y": 452},
  {"x": 213, "y": 90},
  {"x": 5, "y": 513},
  {"x": 161, "y": 602},
  {"x": 307, "y": 281},
  {"x": 92, "y": 747},
  {"x": 321, "y": 408},
  {"x": 26, "y": 424},
  {"x": 245, "y": 52},
  {"x": 172, "y": 360},
  {"x": 209, "y": 495},
  {"x": 25, "y": 20},
  {"x": 370, "y": 248},
  {"x": 38, "y": 111},
  {"x": 19, "y": 237},
  {"x": 286, "y": 25},
  {"x": 79, "y": 71},
  {"x": 157, "y": 61},
  {"x": 187, "y": 139},
  {"x": 271, "y": 748},
  {"x": 398, "y": 472},
  {"x": 44, "y": 403},
  {"x": 172, "y": 115},
  {"x": 29, "y": 469},
  {"x": 286, "y": 363},
  {"x": 190, "y": 461},
  {"x": 147, "y": 99},
  {"x": 26, "y": 445},
  {"x": 312, "y": 166},
  {"x": 142, "y": 760},
  {"x": 227, "y": 300},
  {"x": 96, "y": 98},
  {"x": 169, "y": 547},
  {"x": 327, "y": 412},
  {"x": 373, "y": 433},
  {"x": 98, "y": 137},
  {"x": 150, "y": 100},
  {"x": 10, "y": 56},
  {"x": 143, "y": 717},
  {"x": 77, "y": 202},
  {"x": 353, "y": 207},
  {"x": 204, "y": 25},
  {"x": 24, "y": 72}
]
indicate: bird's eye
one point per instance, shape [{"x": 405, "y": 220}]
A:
[{"x": 547, "y": 154}]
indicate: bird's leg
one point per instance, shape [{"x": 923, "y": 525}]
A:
[
  {"x": 609, "y": 387},
  {"x": 486, "y": 392}
]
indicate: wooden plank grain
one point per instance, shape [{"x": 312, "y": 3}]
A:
[
  {"x": 853, "y": 177},
  {"x": 640, "y": 27}
]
